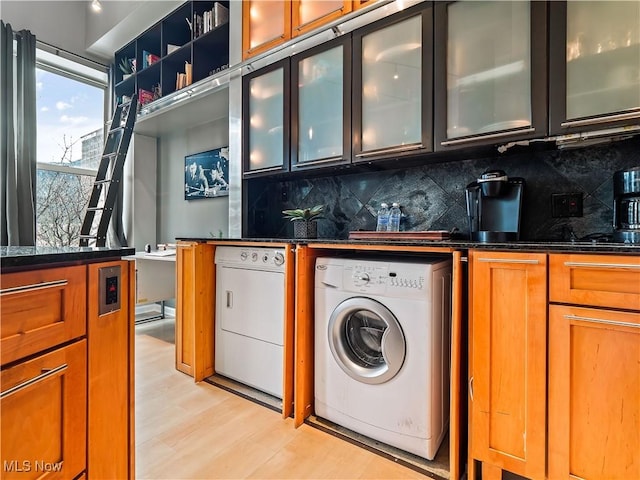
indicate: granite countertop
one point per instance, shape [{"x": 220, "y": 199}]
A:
[
  {"x": 546, "y": 246},
  {"x": 13, "y": 258}
]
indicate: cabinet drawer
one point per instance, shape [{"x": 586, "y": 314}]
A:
[
  {"x": 41, "y": 309},
  {"x": 43, "y": 406},
  {"x": 598, "y": 280}
]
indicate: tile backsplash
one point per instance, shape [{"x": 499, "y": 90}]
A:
[{"x": 432, "y": 196}]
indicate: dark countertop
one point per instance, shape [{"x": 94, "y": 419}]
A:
[
  {"x": 537, "y": 246},
  {"x": 18, "y": 258}
]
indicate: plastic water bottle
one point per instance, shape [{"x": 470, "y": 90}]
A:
[
  {"x": 383, "y": 218},
  {"x": 394, "y": 218}
]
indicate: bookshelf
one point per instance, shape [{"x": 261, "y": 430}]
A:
[{"x": 188, "y": 45}]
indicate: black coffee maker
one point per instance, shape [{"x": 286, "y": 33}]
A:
[
  {"x": 494, "y": 203},
  {"x": 626, "y": 206}
]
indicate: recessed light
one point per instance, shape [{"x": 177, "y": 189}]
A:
[{"x": 96, "y": 6}]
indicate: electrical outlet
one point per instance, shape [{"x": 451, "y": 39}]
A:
[{"x": 566, "y": 205}]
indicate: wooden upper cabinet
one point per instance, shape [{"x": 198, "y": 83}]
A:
[
  {"x": 490, "y": 72},
  {"x": 309, "y": 14},
  {"x": 508, "y": 361},
  {"x": 265, "y": 24},
  {"x": 594, "y": 65},
  {"x": 594, "y": 393}
]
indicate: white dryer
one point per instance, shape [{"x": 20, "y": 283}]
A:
[{"x": 382, "y": 348}]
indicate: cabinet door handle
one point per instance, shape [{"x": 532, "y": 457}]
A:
[
  {"x": 506, "y": 260},
  {"x": 229, "y": 299},
  {"x": 33, "y": 287},
  {"x": 471, "y": 388},
  {"x": 382, "y": 151},
  {"x": 605, "y": 119},
  {"x": 262, "y": 170},
  {"x": 602, "y": 321},
  {"x": 482, "y": 137},
  {"x": 46, "y": 373},
  {"x": 601, "y": 265}
]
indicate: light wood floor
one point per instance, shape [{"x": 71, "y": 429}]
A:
[{"x": 197, "y": 431}]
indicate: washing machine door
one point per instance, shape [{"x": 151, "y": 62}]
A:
[{"x": 366, "y": 340}]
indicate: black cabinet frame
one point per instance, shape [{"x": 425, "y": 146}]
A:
[
  {"x": 425, "y": 10},
  {"x": 559, "y": 124},
  {"x": 539, "y": 109},
  {"x": 285, "y": 65},
  {"x": 345, "y": 41}
]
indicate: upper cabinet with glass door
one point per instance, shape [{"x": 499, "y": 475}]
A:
[
  {"x": 269, "y": 23},
  {"x": 265, "y": 110},
  {"x": 309, "y": 14},
  {"x": 392, "y": 86},
  {"x": 321, "y": 105},
  {"x": 490, "y": 72},
  {"x": 594, "y": 65},
  {"x": 265, "y": 24}
]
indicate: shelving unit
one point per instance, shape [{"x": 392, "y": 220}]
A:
[{"x": 167, "y": 49}]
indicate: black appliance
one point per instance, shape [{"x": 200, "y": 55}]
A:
[
  {"x": 626, "y": 206},
  {"x": 494, "y": 205}
]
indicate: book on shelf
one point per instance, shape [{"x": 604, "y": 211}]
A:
[
  {"x": 145, "y": 96},
  {"x": 188, "y": 70},
  {"x": 149, "y": 58},
  {"x": 184, "y": 79},
  {"x": 209, "y": 20},
  {"x": 172, "y": 48},
  {"x": 220, "y": 14}
]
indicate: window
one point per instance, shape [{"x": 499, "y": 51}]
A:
[{"x": 71, "y": 118}]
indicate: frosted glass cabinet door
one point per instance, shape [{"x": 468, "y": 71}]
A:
[
  {"x": 391, "y": 62},
  {"x": 265, "y": 121},
  {"x": 488, "y": 67},
  {"x": 309, "y": 14},
  {"x": 265, "y": 24},
  {"x": 318, "y": 107},
  {"x": 602, "y": 58}
]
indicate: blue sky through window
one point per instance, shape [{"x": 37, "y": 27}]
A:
[{"x": 67, "y": 109}]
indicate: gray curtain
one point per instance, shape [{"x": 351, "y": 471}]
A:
[{"x": 17, "y": 138}]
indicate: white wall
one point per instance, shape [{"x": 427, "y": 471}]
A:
[
  {"x": 59, "y": 23},
  {"x": 178, "y": 217},
  {"x": 75, "y": 27}
]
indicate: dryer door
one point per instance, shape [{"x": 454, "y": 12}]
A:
[{"x": 366, "y": 340}]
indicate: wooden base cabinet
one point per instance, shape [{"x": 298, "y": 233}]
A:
[
  {"x": 195, "y": 307},
  {"x": 508, "y": 361},
  {"x": 594, "y": 367},
  {"x": 110, "y": 335},
  {"x": 67, "y": 401},
  {"x": 43, "y": 407},
  {"x": 594, "y": 393}
]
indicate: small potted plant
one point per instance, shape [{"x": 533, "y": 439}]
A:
[
  {"x": 304, "y": 221},
  {"x": 126, "y": 68}
]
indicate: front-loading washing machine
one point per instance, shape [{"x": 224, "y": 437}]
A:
[{"x": 382, "y": 349}]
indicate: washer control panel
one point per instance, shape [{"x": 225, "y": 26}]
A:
[{"x": 378, "y": 277}]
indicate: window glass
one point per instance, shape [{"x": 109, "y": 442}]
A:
[{"x": 70, "y": 123}]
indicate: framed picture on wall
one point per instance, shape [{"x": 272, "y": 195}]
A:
[{"x": 206, "y": 174}]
